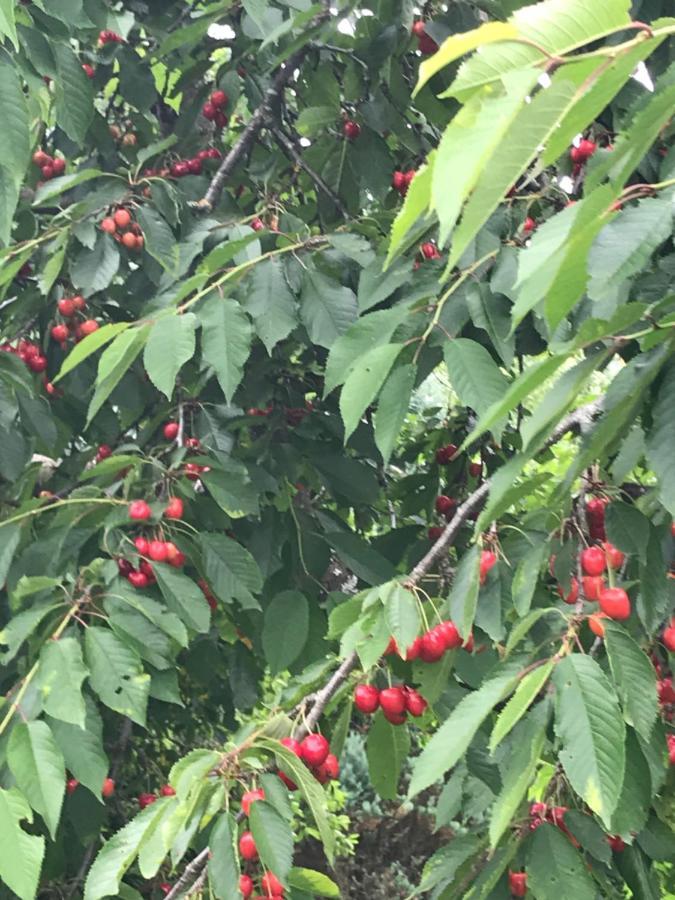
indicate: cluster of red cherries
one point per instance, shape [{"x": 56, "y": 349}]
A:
[
  {"x": 270, "y": 885},
  {"x": 294, "y": 415},
  {"x": 214, "y": 108},
  {"x": 314, "y": 751},
  {"x": 146, "y": 799},
  {"x": 151, "y": 548},
  {"x": 70, "y": 308},
  {"x": 433, "y": 644},
  {"x": 193, "y": 471},
  {"x": 582, "y": 152},
  {"x": 123, "y": 229},
  {"x": 395, "y": 702},
  {"x": 401, "y": 181},
  {"x": 29, "y": 353},
  {"x": 50, "y": 166}
]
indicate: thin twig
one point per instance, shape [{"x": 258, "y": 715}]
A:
[{"x": 288, "y": 147}]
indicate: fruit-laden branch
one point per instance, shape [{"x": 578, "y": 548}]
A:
[
  {"x": 261, "y": 117},
  {"x": 577, "y": 420},
  {"x": 289, "y": 148}
]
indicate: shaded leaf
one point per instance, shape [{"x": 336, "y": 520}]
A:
[
  {"x": 36, "y": 763},
  {"x": 387, "y": 748}
]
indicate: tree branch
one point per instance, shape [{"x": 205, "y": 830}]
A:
[
  {"x": 289, "y": 148},
  {"x": 191, "y": 874},
  {"x": 261, "y": 117}
]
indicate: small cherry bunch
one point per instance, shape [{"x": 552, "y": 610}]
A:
[
  {"x": 269, "y": 884},
  {"x": 395, "y": 702},
  {"x": 314, "y": 751},
  {"x": 123, "y": 229},
  {"x": 446, "y": 454},
  {"x": 29, "y": 353},
  {"x": 555, "y": 815},
  {"x": 214, "y": 108},
  {"x": 50, "y": 166},
  {"x": 260, "y": 411},
  {"x": 401, "y": 181},
  {"x": 151, "y": 549},
  {"x": 146, "y": 799},
  {"x": 433, "y": 644},
  {"x": 191, "y": 470},
  {"x": 582, "y": 153},
  {"x": 109, "y": 37},
  {"x": 76, "y": 324},
  {"x": 192, "y": 166}
]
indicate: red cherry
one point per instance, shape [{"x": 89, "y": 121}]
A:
[
  {"x": 142, "y": 545},
  {"x": 138, "y": 579},
  {"x": 596, "y": 625},
  {"x": 529, "y": 225},
  {"x": 487, "y": 560},
  {"x": 103, "y": 452},
  {"x": 670, "y": 739},
  {"x": 139, "y": 510},
  {"x": 247, "y": 847},
  {"x": 171, "y": 431},
  {"x": 122, "y": 218},
  {"x": 586, "y": 149},
  {"x": 593, "y": 561},
  {"x": 518, "y": 884},
  {"x": 593, "y": 584},
  {"x": 220, "y": 119},
  {"x": 174, "y": 508},
  {"x": 395, "y": 718},
  {"x": 89, "y": 71},
  {"x": 245, "y": 886},
  {"x": 209, "y": 111},
  {"x": 331, "y": 767},
  {"x": 174, "y": 556},
  {"x": 108, "y": 788},
  {"x": 165, "y": 887},
  {"x": 219, "y": 99},
  {"x": 89, "y": 326},
  {"x": 391, "y": 648},
  {"x": 47, "y": 172},
  {"x": 59, "y": 166},
  {"x": 167, "y": 791},
  {"x": 193, "y": 471},
  {"x": 37, "y": 363},
  {"x": 445, "y": 505},
  {"x": 147, "y": 570},
  {"x": 291, "y": 785},
  {"x": 614, "y": 602},
  {"x": 271, "y": 886},
  {"x": 157, "y": 551},
  {"x": 616, "y": 843},
  {"x": 445, "y": 454},
  {"x": 573, "y": 595},
  {"x": 429, "y": 250},
  {"x": 71, "y": 785},
  {"x": 433, "y": 646},
  {"x": 398, "y": 181},
  {"x": 435, "y": 532},
  {"x": 40, "y": 158},
  {"x": 351, "y": 130},
  {"x": 145, "y": 800},
  {"x": 193, "y": 443},
  {"x": 195, "y": 166},
  {"x": 475, "y": 469},
  {"x": 79, "y": 302},
  {"x": 291, "y": 744},
  {"x": 450, "y": 635},
  {"x": 415, "y": 703},
  {"x": 314, "y": 749},
  {"x": 595, "y": 508},
  {"x": 108, "y": 225},
  {"x": 668, "y": 636},
  {"x": 468, "y": 643},
  {"x": 666, "y": 691},
  {"x": 60, "y": 333},
  {"x": 414, "y": 650},
  {"x": 249, "y": 798},
  {"x": 124, "y": 567},
  {"x": 418, "y": 28},
  {"x": 366, "y": 698},
  {"x": 258, "y": 225},
  {"x": 66, "y": 307},
  {"x": 129, "y": 240},
  {"x": 615, "y": 558},
  {"x": 392, "y": 700}
]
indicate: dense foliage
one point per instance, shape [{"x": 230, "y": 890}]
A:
[{"x": 336, "y": 410}]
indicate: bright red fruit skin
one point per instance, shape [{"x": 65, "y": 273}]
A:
[
  {"x": 157, "y": 551},
  {"x": 392, "y": 700},
  {"x": 616, "y": 843},
  {"x": 291, "y": 744},
  {"x": 366, "y": 698},
  {"x": 669, "y": 637},
  {"x": 139, "y": 510},
  {"x": 433, "y": 647},
  {"x": 314, "y": 749},
  {"x": 596, "y": 625},
  {"x": 246, "y": 886},
  {"x": 415, "y": 703},
  {"x": 414, "y": 650},
  {"x": 573, "y": 595},
  {"x": 60, "y": 333},
  {"x": 615, "y": 558},
  {"x": 351, "y": 130},
  {"x": 593, "y": 561},
  {"x": 331, "y": 766},
  {"x": 394, "y": 718},
  {"x": 615, "y": 604},
  {"x": 450, "y": 634},
  {"x": 142, "y": 545},
  {"x": 167, "y": 791},
  {"x": 518, "y": 884},
  {"x": 247, "y": 847},
  {"x": 249, "y": 798},
  {"x": 146, "y": 800},
  {"x": 71, "y": 785},
  {"x": 271, "y": 885},
  {"x": 593, "y": 584},
  {"x": 444, "y": 504},
  {"x": 174, "y": 508},
  {"x": 138, "y": 579},
  {"x": 487, "y": 561},
  {"x": 108, "y": 788},
  {"x": 171, "y": 431}
]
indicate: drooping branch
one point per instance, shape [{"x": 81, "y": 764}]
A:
[
  {"x": 263, "y": 115},
  {"x": 289, "y": 148},
  {"x": 578, "y": 419}
]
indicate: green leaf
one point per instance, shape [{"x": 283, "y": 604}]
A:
[
  {"x": 555, "y": 868},
  {"x": 634, "y": 679},
  {"x": 160, "y": 242},
  {"x": 392, "y": 408},
  {"x": 183, "y": 597},
  {"x": 310, "y": 789},
  {"x": 315, "y": 119},
  {"x": 557, "y": 26},
  {"x": 364, "y": 382},
  {"x": 93, "y": 270},
  {"x": 224, "y": 859},
  {"x": 474, "y": 375},
  {"x": 231, "y": 570},
  {"x": 11, "y": 536},
  {"x": 365, "y": 562},
  {"x": 22, "y": 853},
  {"x": 519, "y": 768},
  {"x": 655, "y": 595},
  {"x": 375, "y": 285},
  {"x": 113, "y": 365},
  {"x": 327, "y": 308},
  {"x": 525, "y": 694},
  {"x": 14, "y": 144},
  {"x": 660, "y": 441},
  {"x": 117, "y": 854},
  {"x": 312, "y": 882},
  {"x": 526, "y": 577},
  {"x": 632, "y": 810},
  {"x": 273, "y": 838},
  {"x": 627, "y": 527},
  {"x": 61, "y": 674},
  {"x": 171, "y": 343},
  {"x": 402, "y": 614},
  {"x": 464, "y": 594},
  {"x": 442, "y": 867},
  {"x": 116, "y": 674},
  {"x": 232, "y": 490},
  {"x": 88, "y": 345},
  {"x": 21, "y": 626},
  {"x": 74, "y": 94},
  {"x": 592, "y": 732},
  {"x": 36, "y": 763},
  {"x": 83, "y": 749},
  {"x": 8, "y": 21},
  {"x": 56, "y": 186},
  {"x": 387, "y": 748},
  {"x": 270, "y": 302},
  {"x": 226, "y": 341},
  {"x": 416, "y": 204},
  {"x": 285, "y": 629},
  {"x": 453, "y": 738},
  {"x": 459, "y": 44}
]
